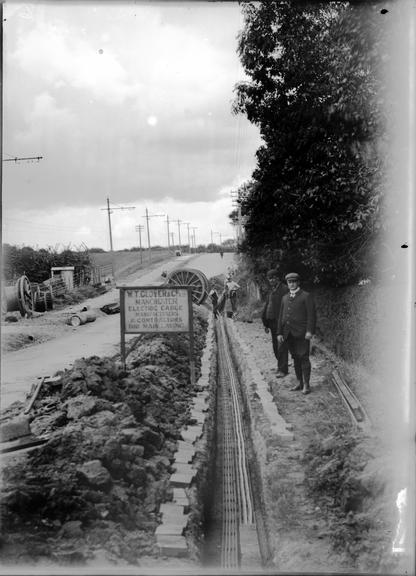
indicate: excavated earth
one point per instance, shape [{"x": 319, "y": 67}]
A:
[{"x": 92, "y": 493}]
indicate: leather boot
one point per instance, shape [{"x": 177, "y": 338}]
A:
[
  {"x": 298, "y": 386},
  {"x": 306, "y": 389}
]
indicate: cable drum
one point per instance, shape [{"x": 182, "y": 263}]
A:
[
  {"x": 190, "y": 277},
  {"x": 43, "y": 301},
  {"x": 18, "y": 298}
]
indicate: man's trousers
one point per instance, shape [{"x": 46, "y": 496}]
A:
[
  {"x": 299, "y": 349},
  {"x": 280, "y": 352}
]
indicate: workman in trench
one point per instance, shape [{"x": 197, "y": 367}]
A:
[
  {"x": 231, "y": 288},
  {"x": 296, "y": 326}
]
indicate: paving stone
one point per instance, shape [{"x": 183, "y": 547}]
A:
[
  {"x": 183, "y": 457},
  {"x": 200, "y": 404},
  {"x": 191, "y": 433},
  {"x": 198, "y": 415},
  {"x": 171, "y": 509},
  {"x": 169, "y": 530},
  {"x": 179, "y": 493},
  {"x": 181, "y": 480},
  {"x": 203, "y": 382},
  {"x": 172, "y": 520},
  {"x": 180, "y": 498},
  {"x": 172, "y": 546},
  {"x": 185, "y": 445},
  {"x": 183, "y": 468}
]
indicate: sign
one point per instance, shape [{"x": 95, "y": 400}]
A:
[
  {"x": 156, "y": 309},
  {"x": 153, "y": 309}
]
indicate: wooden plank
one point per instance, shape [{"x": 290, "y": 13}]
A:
[
  {"x": 22, "y": 444},
  {"x": 352, "y": 400}
]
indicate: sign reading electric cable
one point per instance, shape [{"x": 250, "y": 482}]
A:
[{"x": 155, "y": 309}]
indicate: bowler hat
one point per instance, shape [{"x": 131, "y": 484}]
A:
[{"x": 292, "y": 276}]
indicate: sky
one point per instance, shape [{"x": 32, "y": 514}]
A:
[{"x": 130, "y": 101}]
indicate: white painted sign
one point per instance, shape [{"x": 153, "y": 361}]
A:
[{"x": 156, "y": 309}]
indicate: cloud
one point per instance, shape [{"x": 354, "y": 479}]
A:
[
  {"x": 62, "y": 59},
  {"x": 122, "y": 100}
]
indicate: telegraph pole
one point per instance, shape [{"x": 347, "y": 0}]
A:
[
  {"x": 139, "y": 229},
  {"x": 193, "y": 235},
  {"x": 167, "y": 223},
  {"x": 189, "y": 241},
  {"x": 148, "y": 216},
  {"x": 179, "y": 231},
  {"x": 109, "y": 211},
  {"x": 109, "y": 224}
]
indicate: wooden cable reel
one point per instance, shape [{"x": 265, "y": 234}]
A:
[
  {"x": 18, "y": 298},
  {"x": 43, "y": 301},
  {"x": 190, "y": 277}
]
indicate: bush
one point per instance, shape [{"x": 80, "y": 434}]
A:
[{"x": 37, "y": 264}]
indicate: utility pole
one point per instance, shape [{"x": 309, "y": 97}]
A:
[
  {"x": 172, "y": 235},
  {"x": 179, "y": 232},
  {"x": 148, "y": 216},
  {"x": 189, "y": 241},
  {"x": 212, "y": 237},
  {"x": 193, "y": 235},
  {"x": 139, "y": 229},
  {"x": 167, "y": 222},
  {"x": 109, "y": 211}
]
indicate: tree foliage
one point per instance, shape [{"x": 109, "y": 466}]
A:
[
  {"x": 37, "y": 264},
  {"x": 314, "y": 91}
]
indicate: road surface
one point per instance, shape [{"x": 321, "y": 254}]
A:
[{"x": 21, "y": 368}]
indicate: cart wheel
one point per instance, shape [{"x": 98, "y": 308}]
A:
[
  {"x": 24, "y": 295},
  {"x": 190, "y": 277}
]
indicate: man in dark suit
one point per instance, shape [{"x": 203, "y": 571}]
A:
[
  {"x": 270, "y": 317},
  {"x": 296, "y": 325}
]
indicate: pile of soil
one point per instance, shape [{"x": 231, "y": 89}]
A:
[{"x": 93, "y": 491}]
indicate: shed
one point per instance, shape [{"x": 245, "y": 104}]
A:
[{"x": 66, "y": 273}]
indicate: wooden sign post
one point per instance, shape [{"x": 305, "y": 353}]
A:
[{"x": 156, "y": 309}]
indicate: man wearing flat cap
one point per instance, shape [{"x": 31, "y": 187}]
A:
[
  {"x": 270, "y": 317},
  {"x": 296, "y": 325}
]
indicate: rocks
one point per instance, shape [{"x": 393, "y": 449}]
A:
[
  {"x": 14, "y": 428},
  {"x": 132, "y": 435},
  {"x": 95, "y": 475},
  {"x": 84, "y": 405},
  {"x": 104, "y": 472},
  {"x": 72, "y": 529}
]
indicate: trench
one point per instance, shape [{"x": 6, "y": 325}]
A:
[{"x": 235, "y": 535}]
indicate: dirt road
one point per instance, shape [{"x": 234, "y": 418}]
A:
[{"x": 21, "y": 368}]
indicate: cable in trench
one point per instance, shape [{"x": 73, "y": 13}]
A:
[{"x": 237, "y": 501}]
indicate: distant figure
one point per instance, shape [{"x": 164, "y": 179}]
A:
[
  {"x": 221, "y": 254},
  {"x": 213, "y": 294},
  {"x": 270, "y": 317},
  {"x": 296, "y": 325},
  {"x": 230, "y": 290}
]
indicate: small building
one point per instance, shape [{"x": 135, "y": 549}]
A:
[{"x": 66, "y": 273}]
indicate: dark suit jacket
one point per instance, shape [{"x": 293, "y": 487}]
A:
[
  {"x": 274, "y": 297},
  {"x": 297, "y": 315}
]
